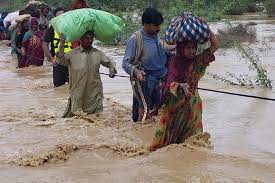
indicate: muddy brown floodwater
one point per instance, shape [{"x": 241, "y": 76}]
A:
[{"x": 37, "y": 145}]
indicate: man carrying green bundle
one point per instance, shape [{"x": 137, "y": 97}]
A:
[{"x": 86, "y": 91}]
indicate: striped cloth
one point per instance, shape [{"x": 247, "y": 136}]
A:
[{"x": 187, "y": 26}]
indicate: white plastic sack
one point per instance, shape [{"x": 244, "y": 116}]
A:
[{"x": 11, "y": 17}]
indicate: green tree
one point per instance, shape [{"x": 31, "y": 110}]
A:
[{"x": 270, "y": 7}]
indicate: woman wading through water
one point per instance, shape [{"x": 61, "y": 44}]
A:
[{"x": 181, "y": 112}]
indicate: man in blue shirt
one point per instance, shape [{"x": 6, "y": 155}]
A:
[{"x": 151, "y": 69}]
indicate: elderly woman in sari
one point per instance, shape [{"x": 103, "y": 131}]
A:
[
  {"x": 181, "y": 112},
  {"x": 32, "y": 51}
]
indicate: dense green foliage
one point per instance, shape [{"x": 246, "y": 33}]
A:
[
  {"x": 203, "y": 7},
  {"x": 238, "y": 38},
  {"x": 270, "y": 7}
]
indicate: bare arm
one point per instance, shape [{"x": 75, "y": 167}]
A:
[
  {"x": 107, "y": 62},
  {"x": 46, "y": 21},
  {"x": 63, "y": 58},
  {"x": 213, "y": 39},
  {"x": 214, "y": 43},
  {"x": 208, "y": 55},
  {"x": 23, "y": 50},
  {"x": 47, "y": 52}
]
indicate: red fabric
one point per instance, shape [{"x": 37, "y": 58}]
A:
[
  {"x": 178, "y": 67},
  {"x": 34, "y": 52},
  {"x": 177, "y": 71},
  {"x": 77, "y": 4},
  {"x": 75, "y": 44}
]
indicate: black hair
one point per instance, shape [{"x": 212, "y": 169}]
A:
[
  {"x": 24, "y": 21},
  {"x": 152, "y": 16},
  {"x": 45, "y": 6},
  {"x": 32, "y": 7},
  {"x": 23, "y": 12},
  {"x": 57, "y": 9},
  {"x": 89, "y": 32},
  {"x": 4, "y": 14},
  {"x": 35, "y": 13}
]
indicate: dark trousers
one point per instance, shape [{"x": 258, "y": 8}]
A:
[
  {"x": 19, "y": 58},
  {"x": 135, "y": 109},
  {"x": 151, "y": 90},
  {"x": 60, "y": 75}
]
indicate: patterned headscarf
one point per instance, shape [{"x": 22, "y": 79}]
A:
[{"x": 33, "y": 21}]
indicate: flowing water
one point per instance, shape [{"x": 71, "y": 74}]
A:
[{"x": 37, "y": 145}]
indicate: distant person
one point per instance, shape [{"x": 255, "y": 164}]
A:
[
  {"x": 44, "y": 16},
  {"x": 78, "y": 4},
  {"x": 35, "y": 13},
  {"x": 2, "y": 27},
  {"x": 52, "y": 39},
  {"x": 23, "y": 28},
  {"x": 32, "y": 51}
]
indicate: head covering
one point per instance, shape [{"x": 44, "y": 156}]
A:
[
  {"x": 178, "y": 67},
  {"x": 24, "y": 29},
  {"x": 45, "y": 6},
  {"x": 79, "y": 4},
  {"x": 180, "y": 46},
  {"x": 180, "y": 57},
  {"x": 180, "y": 61},
  {"x": 29, "y": 34},
  {"x": 21, "y": 18},
  {"x": 33, "y": 21},
  {"x": 35, "y": 13},
  {"x": 57, "y": 9}
]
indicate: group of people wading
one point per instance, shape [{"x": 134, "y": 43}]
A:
[{"x": 164, "y": 81}]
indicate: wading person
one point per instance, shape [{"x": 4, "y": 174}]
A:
[
  {"x": 86, "y": 91},
  {"x": 32, "y": 52},
  {"x": 2, "y": 27},
  {"x": 181, "y": 112},
  {"x": 23, "y": 28},
  {"x": 145, "y": 61},
  {"x": 60, "y": 72},
  {"x": 44, "y": 16}
]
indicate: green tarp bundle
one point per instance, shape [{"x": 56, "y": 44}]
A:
[{"x": 74, "y": 24}]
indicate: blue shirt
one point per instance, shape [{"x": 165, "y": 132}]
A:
[
  {"x": 153, "y": 57},
  {"x": 2, "y": 28}
]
